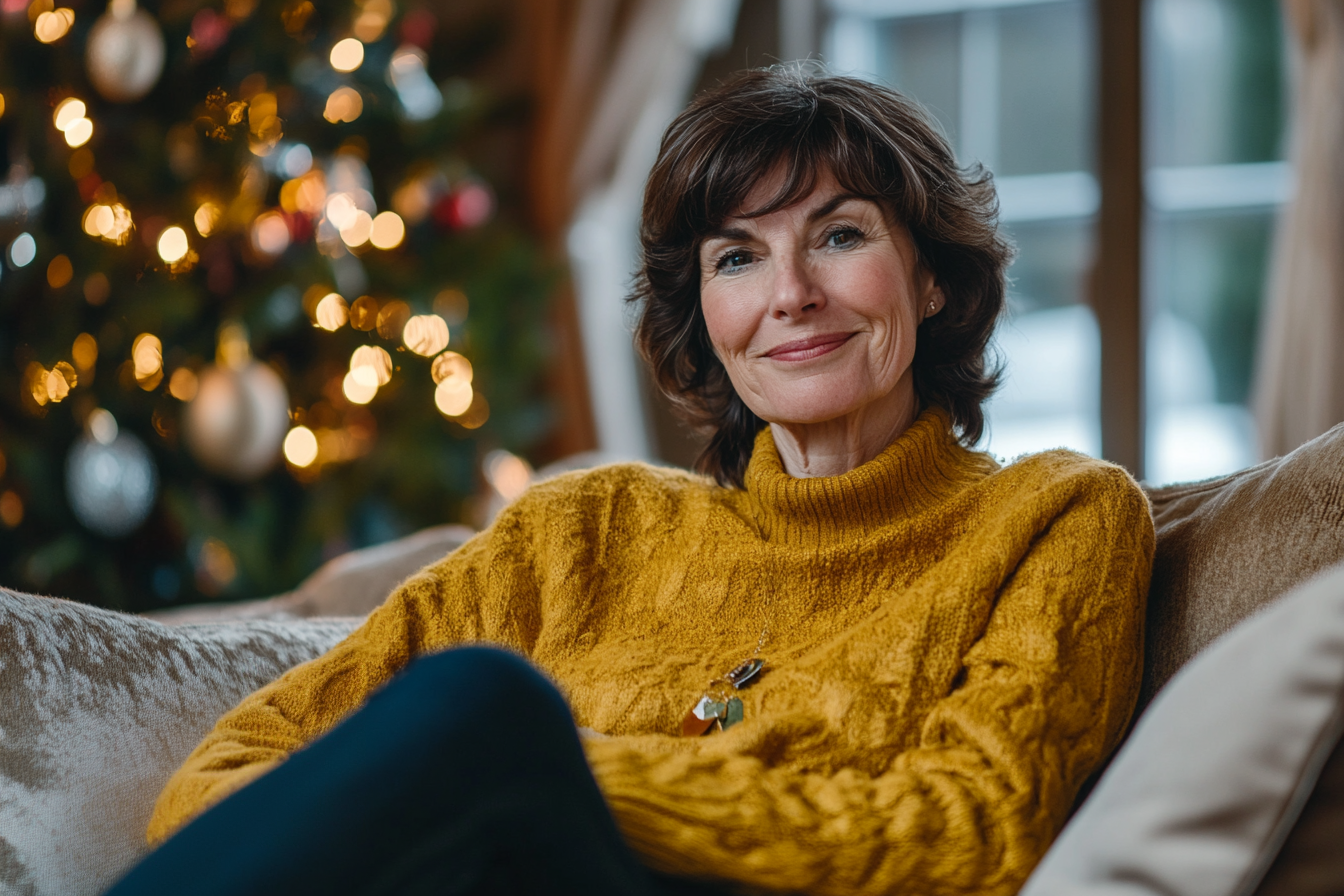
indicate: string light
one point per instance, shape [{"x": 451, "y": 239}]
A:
[
  {"x": 425, "y": 334},
  {"x": 387, "y": 230},
  {"x": 347, "y": 55},
  {"x": 300, "y": 446},
  {"x": 364, "y": 313},
  {"x": 173, "y": 245},
  {"x": 372, "y": 20},
  {"x": 332, "y": 312},
  {"x": 2, "y": 105}
]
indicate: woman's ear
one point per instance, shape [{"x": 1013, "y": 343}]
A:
[{"x": 931, "y": 294}]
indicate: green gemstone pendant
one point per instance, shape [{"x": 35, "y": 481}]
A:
[{"x": 734, "y": 713}]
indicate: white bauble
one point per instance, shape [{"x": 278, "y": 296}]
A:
[
  {"x": 111, "y": 487},
  {"x": 238, "y": 420},
  {"x": 124, "y": 55}
]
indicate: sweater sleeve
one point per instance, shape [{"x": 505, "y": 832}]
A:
[
  {"x": 1044, "y": 696},
  {"x": 484, "y": 591}
]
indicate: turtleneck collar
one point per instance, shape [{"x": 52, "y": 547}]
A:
[{"x": 922, "y": 467}]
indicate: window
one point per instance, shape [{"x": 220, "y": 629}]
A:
[{"x": 1013, "y": 83}]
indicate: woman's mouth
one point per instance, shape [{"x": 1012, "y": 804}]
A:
[{"x": 811, "y": 347}]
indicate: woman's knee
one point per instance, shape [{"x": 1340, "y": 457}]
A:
[{"x": 479, "y": 682}]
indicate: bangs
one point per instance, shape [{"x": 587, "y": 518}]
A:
[{"x": 804, "y": 147}]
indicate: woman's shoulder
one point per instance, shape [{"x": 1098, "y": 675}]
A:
[
  {"x": 611, "y": 486},
  {"x": 1062, "y": 469}
]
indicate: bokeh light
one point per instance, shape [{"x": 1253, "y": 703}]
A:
[
  {"x": 332, "y": 312},
  {"x": 102, "y": 426},
  {"x": 451, "y": 366},
  {"x": 371, "y": 364},
  {"x": 452, "y": 397},
  {"x": 347, "y": 55},
  {"x": 54, "y": 25},
  {"x": 344, "y": 104},
  {"x": 357, "y": 233},
  {"x": 507, "y": 473},
  {"x": 79, "y": 133},
  {"x": 387, "y": 230},
  {"x": 59, "y": 272},
  {"x": 301, "y": 446},
  {"x": 425, "y": 334},
  {"x": 451, "y": 305},
  {"x": 68, "y": 111},
  {"x": 84, "y": 351},
  {"x": 109, "y": 221},
  {"x": 364, "y": 313},
  {"x": 183, "y": 384},
  {"x": 11, "y": 509},
  {"x": 270, "y": 234},
  {"x": 147, "y": 360},
  {"x": 173, "y": 245},
  {"x": 206, "y": 217},
  {"x": 60, "y": 380},
  {"x": 372, "y": 19},
  {"x": 23, "y": 250},
  {"x": 356, "y": 391},
  {"x": 97, "y": 288},
  {"x": 392, "y": 318}
]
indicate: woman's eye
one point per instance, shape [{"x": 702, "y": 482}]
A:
[
  {"x": 841, "y": 239},
  {"x": 735, "y": 260}
]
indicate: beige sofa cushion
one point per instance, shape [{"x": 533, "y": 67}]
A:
[
  {"x": 97, "y": 709},
  {"x": 1228, "y": 546},
  {"x": 1216, "y": 772}
]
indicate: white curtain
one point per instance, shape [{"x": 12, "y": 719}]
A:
[{"x": 1299, "y": 391}]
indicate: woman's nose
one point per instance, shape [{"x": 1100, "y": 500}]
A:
[{"x": 796, "y": 291}]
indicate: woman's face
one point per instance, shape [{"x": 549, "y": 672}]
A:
[{"x": 812, "y": 309}]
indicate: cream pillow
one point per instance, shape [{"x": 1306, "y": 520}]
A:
[
  {"x": 97, "y": 709},
  {"x": 1218, "y": 769}
]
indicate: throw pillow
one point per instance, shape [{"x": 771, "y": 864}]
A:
[
  {"x": 1228, "y": 546},
  {"x": 1216, "y": 772},
  {"x": 97, "y": 710}
]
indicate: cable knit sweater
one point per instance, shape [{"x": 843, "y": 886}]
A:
[{"x": 951, "y": 648}]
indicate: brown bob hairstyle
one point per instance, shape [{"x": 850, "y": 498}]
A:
[{"x": 877, "y": 144}]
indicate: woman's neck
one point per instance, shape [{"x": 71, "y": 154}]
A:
[{"x": 834, "y": 447}]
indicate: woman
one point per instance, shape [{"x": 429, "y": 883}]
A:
[{"x": 858, "y": 657}]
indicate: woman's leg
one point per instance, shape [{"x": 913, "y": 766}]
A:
[{"x": 463, "y": 775}]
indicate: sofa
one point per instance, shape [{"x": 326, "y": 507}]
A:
[{"x": 1230, "y": 782}]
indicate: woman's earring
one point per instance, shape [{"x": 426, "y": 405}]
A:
[{"x": 933, "y": 307}]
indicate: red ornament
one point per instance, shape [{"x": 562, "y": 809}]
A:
[
  {"x": 418, "y": 27},
  {"x": 470, "y": 205}
]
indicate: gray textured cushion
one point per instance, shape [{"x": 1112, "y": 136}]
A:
[
  {"x": 1228, "y": 546},
  {"x": 97, "y": 709},
  {"x": 1217, "y": 771}
]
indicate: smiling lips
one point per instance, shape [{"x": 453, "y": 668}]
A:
[{"x": 809, "y": 348}]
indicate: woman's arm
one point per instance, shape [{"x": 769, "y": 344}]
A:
[
  {"x": 446, "y": 603},
  {"x": 1047, "y": 692}
]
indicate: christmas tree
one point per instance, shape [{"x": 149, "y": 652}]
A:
[{"x": 258, "y": 305}]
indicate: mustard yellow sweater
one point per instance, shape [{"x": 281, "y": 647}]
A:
[{"x": 952, "y": 647}]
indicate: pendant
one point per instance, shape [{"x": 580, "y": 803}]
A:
[
  {"x": 745, "y": 672},
  {"x": 733, "y": 714},
  {"x": 703, "y": 716}
]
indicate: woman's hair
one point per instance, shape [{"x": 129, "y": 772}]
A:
[{"x": 876, "y": 144}]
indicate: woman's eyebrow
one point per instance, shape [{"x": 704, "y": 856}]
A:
[
  {"x": 832, "y": 204},
  {"x": 727, "y": 233}
]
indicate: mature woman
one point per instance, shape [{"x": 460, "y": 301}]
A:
[{"x": 856, "y": 657}]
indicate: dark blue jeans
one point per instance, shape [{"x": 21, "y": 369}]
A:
[{"x": 463, "y": 775}]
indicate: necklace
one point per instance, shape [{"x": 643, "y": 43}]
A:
[{"x": 716, "y": 708}]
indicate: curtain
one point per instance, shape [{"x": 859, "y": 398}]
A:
[
  {"x": 609, "y": 76},
  {"x": 1299, "y": 390}
]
